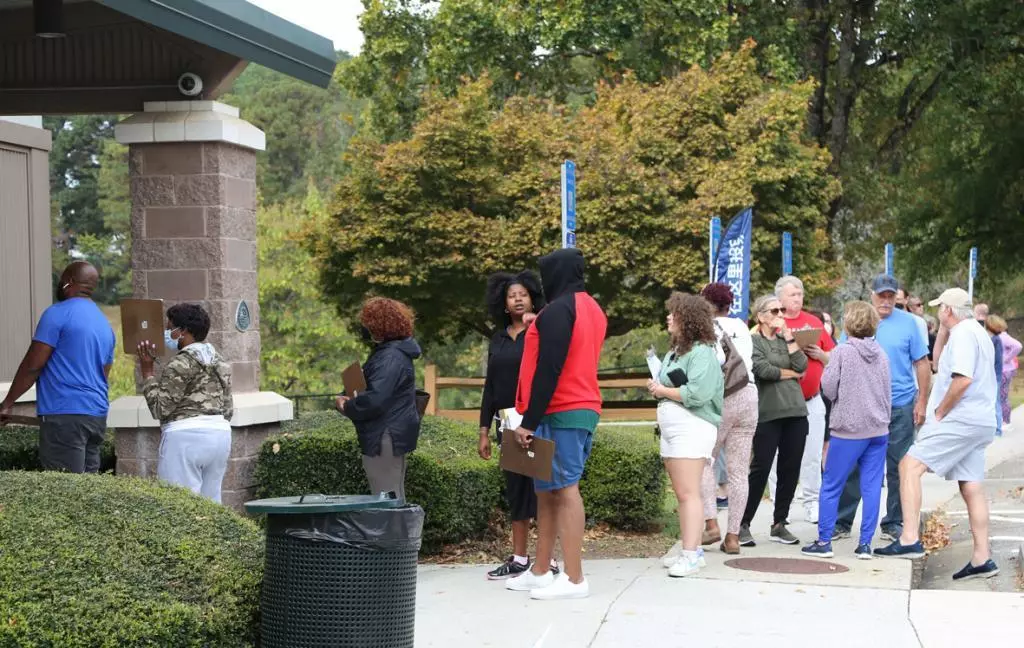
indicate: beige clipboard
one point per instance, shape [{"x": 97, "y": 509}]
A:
[
  {"x": 353, "y": 380},
  {"x": 535, "y": 461},
  {"x": 806, "y": 337},
  {"x": 142, "y": 320}
]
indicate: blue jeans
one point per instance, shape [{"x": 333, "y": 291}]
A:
[
  {"x": 843, "y": 455},
  {"x": 901, "y": 437}
]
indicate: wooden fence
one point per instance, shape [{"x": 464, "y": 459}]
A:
[{"x": 613, "y": 410}]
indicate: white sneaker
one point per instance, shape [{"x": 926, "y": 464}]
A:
[
  {"x": 672, "y": 556},
  {"x": 529, "y": 581},
  {"x": 561, "y": 588},
  {"x": 687, "y": 565},
  {"x": 811, "y": 512}
]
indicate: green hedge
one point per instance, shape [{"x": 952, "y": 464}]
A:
[
  {"x": 19, "y": 449},
  {"x": 623, "y": 486},
  {"x": 100, "y": 561},
  {"x": 320, "y": 454}
]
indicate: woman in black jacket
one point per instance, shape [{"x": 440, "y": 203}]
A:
[
  {"x": 385, "y": 415},
  {"x": 512, "y": 300}
]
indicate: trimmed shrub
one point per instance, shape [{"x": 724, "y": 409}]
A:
[
  {"x": 19, "y": 449},
  {"x": 103, "y": 561},
  {"x": 624, "y": 483},
  {"x": 320, "y": 454}
]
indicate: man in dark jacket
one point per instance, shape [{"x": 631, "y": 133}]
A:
[{"x": 559, "y": 399}]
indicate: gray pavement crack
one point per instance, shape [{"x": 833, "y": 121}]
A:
[{"x": 615, "y": 600}]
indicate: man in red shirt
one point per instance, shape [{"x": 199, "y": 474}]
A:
[
  {"x": 790, "y": 291},
  {"x": 560, "y": 401}
]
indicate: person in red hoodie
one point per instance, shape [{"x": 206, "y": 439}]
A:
[{"x": 559, "y": 399}]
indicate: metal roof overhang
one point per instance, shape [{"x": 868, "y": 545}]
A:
[{"x": 119, "y": 54}]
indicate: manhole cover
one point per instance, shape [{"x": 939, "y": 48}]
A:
[{"x": 787, "y": 566}]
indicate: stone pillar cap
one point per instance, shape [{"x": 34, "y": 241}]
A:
[
  {"x": 189, "y": 121},
  {"x": 251, "y": 408}
]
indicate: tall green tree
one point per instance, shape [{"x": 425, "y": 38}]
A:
[
  {"x": 476, "y": 189},
  {"x": 304, "y": 342}
]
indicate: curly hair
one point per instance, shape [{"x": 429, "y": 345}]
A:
[
  {"x": 497, "y": 292},
  {"x": 719, "y": 294},
  {"x": 693, "y": 316},
  {"x": 192, "y": 318},
  {"x": 387, "y": 319}
]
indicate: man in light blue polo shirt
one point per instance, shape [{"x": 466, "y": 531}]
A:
[
  {"x": 69, "y": 361},
  {"x": 900, "y": 338}
]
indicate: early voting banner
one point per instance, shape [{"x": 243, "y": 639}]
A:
[{"x": 732, "y": 262}]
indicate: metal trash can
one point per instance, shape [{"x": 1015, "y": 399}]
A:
[{"x": 340, "y": 571}]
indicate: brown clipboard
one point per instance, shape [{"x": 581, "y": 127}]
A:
[
  {"x": 535, "y": 461},
  {"x": 353, "y": 380},
  {"x": 142, "y": 320},
  {"x": 15, "y": 419},
  {"x": 806, "y": 337}
]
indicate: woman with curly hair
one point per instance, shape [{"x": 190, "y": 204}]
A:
[
  {"x": 385, "y": 415},
  {"x": 736, "y": 431},
  {"x": 512, "y": 301},
  {"x": 778, "y": 365},
  {"x": 689, "y": 390}
]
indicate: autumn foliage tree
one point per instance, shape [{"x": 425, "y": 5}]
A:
[{"x": 475, "y": 189}]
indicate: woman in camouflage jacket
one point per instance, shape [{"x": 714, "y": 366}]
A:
[{"x": 192, "y": 400}]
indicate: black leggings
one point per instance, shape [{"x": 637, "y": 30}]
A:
[{"x": 787, "y": 436}]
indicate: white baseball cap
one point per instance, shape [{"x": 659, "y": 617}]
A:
[{"x": 953, "y": 297}]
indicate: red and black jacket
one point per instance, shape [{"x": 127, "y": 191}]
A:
[{"x": 563, "y": 346}]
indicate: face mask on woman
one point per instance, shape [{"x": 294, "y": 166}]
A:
[{"x": 169, "y": 341}]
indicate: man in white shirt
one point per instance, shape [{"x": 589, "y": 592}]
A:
[{"x": 958, "y": 427}]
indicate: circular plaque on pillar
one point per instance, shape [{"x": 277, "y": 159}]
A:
[{"x": 243, "y": 319}]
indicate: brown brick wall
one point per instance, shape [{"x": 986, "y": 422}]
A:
[{"x": 194, "y": 238}]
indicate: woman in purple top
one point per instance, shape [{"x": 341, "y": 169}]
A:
[{"x": 857, "y": 382}]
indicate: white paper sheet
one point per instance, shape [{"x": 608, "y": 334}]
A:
[{"x": 653, "y": 363}]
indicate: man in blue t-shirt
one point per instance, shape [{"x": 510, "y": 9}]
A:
[
  {"x": 69, "y": 361},
  {"x": 900, "y": 338}
]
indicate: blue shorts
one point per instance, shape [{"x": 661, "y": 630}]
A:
[{"x": 572, "y": 447}]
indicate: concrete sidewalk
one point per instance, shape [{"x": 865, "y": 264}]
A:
[{"x": 635, "y": 603}]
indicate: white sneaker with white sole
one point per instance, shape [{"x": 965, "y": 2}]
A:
[
  {"x": 675, "y": 552},
  {"x": 811, "y": 512},
  {"x": 687, "y": 565},
  {"x": 561, "y": 588},
  {"x": 528, "y": 581}
]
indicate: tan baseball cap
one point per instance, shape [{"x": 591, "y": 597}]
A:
[{"x": 954, "y": 297}]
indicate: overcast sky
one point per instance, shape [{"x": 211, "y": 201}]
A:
[{"x": 335, "y": 19}]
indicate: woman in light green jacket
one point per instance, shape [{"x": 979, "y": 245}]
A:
[{"x": 690, "y": 389}]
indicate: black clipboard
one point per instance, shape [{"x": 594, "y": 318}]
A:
[{"x": 535, "y": 461}]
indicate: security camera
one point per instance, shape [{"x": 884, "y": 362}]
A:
[{"x": 190, "y": 85}]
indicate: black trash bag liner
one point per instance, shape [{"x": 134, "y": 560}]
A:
[{"x": 383, "y": 529}]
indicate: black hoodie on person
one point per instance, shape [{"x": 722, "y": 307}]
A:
[
  {"x": 389, "y": 402},
  {"x": 563, "y": 347}
]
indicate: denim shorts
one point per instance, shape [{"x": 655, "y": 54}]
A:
[{"x": 572, "y": 448}]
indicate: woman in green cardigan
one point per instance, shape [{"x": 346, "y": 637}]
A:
[
  {"x": 690, "y": 389},
  {"x": 778, "y": 364}
]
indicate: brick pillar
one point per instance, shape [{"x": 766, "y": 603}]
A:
[
  {"x": 193, "y": 186},
  {"x": 194, "y": 239}
]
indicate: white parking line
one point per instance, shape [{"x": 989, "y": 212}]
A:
[{"x": 1007, "y": 538}]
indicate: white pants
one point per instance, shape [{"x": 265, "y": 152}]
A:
[
  {"x": 810, "y": 466},
  {"x": 195, "y": 458}
]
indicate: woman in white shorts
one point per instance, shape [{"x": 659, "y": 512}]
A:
[{"x": 689, "y": 390}]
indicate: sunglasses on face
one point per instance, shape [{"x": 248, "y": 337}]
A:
[
  {"x": 773, "y": 311},
  {"x": 901, "y": 306}
]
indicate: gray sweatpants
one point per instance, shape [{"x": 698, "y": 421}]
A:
[
  {"x": 71, "y": 442},
  {"x": 385, "y": 472}
]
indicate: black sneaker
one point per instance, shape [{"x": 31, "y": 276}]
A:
[
  {"x": 892, "y": 533},
  {"x": 988, "y": 570},
  {"x": 721, "y": 503},
  {"x": 508, "y": 569},
  {"x": 897, "y": 550}
]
